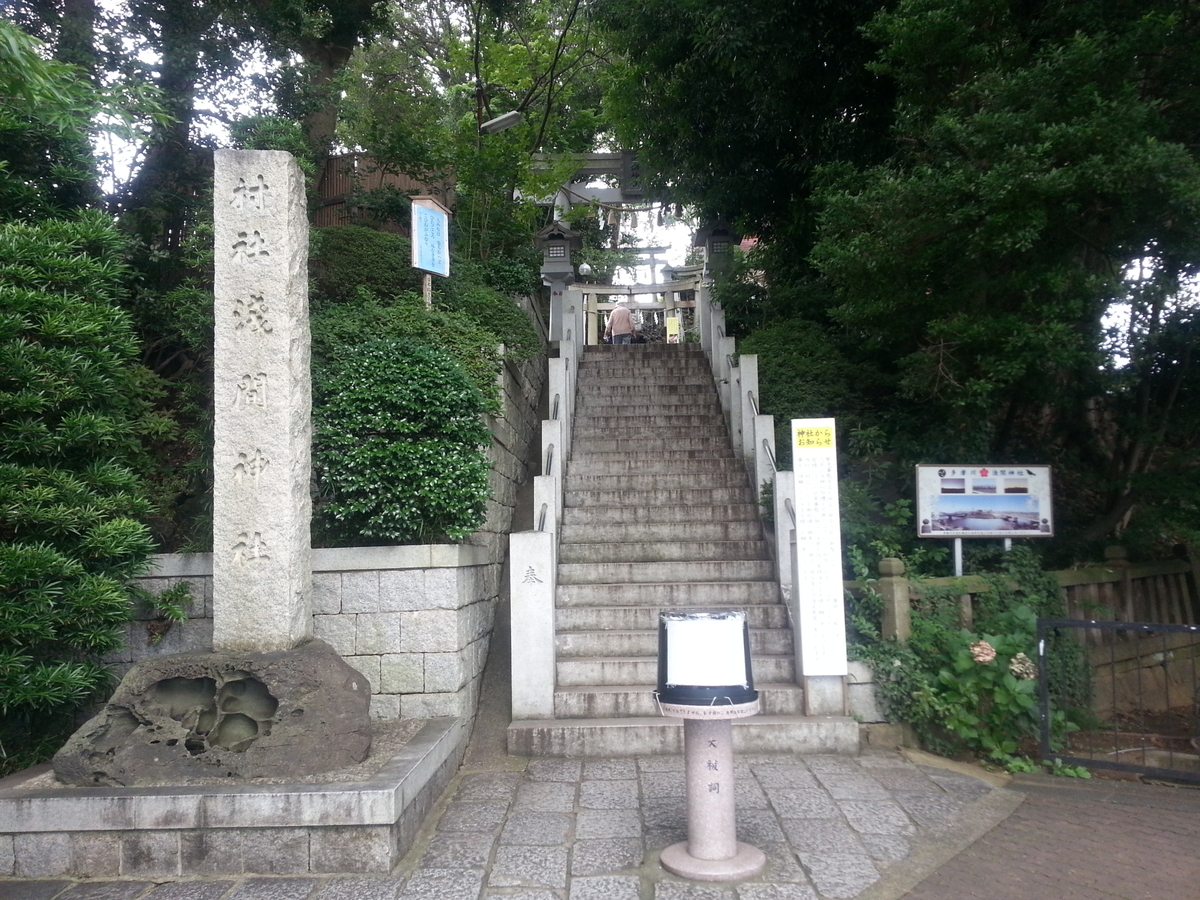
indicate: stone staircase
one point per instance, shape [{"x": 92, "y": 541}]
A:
[{"x": 658, "y": 514}]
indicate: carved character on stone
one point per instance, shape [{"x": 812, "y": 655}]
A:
[
  {"x": 250, "y": 245},
  {"x": 251, "y": 391},
  {"x": 250, "y": 547},
  {"x": 252, "y": 195},
  {"x": 250, "y": 465},
  {"x": 251, "y": 315}
]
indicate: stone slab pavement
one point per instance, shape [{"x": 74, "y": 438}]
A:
[
  {"x": 555, "y": 829},
  {"x": 882, "y": 826}
]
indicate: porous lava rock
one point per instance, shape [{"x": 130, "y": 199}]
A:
[{"x": 233, "y": 715}]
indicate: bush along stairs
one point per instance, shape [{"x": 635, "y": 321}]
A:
[{"x": 658, "y": 514}]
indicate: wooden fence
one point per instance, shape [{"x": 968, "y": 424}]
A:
[
  {"x": 356, "y": 173},
  {"x": 1166, "y": 592}
]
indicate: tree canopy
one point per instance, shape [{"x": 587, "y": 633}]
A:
[{"x": 986, "y": 209}]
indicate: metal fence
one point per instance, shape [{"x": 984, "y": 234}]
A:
[{"x": 1144, "y": 703}]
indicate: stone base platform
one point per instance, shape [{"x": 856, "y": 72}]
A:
[{"x": 276, "y": 829}]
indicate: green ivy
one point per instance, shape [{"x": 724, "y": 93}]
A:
[{"x": 399, "y": 446}]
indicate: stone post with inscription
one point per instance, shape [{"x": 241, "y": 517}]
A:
[{"x": 262, "y": 557}]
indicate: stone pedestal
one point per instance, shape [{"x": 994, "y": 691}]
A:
[
  {"x": 712, "y": 851},
  {"x": 262, "y": 565}
]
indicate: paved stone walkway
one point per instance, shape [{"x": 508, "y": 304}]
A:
[{"x": 553, "y": 829}]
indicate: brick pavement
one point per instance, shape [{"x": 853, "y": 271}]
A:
[{"x": 1070, "y": 841}]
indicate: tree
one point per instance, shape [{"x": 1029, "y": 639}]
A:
[
  {"x": 732, "y": 104},
  {"x": 1041, "y": 151}
]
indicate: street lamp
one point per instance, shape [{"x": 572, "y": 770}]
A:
[{"x": 500, "y": 123}]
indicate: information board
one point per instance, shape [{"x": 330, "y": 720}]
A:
[
  {"x": 820, "y": 604},
  {"x": 430, "y": 236},
  {"x": 1005, "y": 501}
]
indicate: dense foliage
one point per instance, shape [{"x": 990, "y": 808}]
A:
[
  {"x": 990, "y": 210},
  {"x": 72, "y": 406},
  {"x": 397, "y": 446},
  {"x": 975, "y": 688}
]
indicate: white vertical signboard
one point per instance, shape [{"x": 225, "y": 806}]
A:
[
  {"x": 430, "y": 236},
  {"x": 818, "y": 591}
]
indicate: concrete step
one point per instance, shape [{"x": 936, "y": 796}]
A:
[
  {"x": 706, "y": 420},
  {"x": 672, "y": 456},
  {"x": 626, "y": 644},
  {"x": 670, "y": 595},
  {"x": 644, "y": 736},
  {"x": 652, "y": 478},
  {"x": 624, "y": 392},
  {"x": 694, "y": 442},
  {"x": 594, "y": 383},
  {"x": 662, "y": 551},
  {"x": 662, "y": 572},
  {"x": 610, "y": 701},
  {"x": 670, "y": 497},
  {"x": 621, "y": 464},
  {"x": 625, "y": 514},
  {"x": 647, "y": 408},
  {"x": 769, "y": 614},
  {"x": 661, "y": 531},
  {"x": 581, "y": 671}
]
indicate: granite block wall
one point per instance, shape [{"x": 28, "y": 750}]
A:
[{"x": 415, "y": 620}]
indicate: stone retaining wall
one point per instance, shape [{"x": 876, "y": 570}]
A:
[{"x": 415, "y": 620}]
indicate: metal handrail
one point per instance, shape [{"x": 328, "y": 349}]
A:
[
  {"x": 547, "y": 469},
  {"x": 791, "y": 509},
  {"x": 753, "y": 402},
  {"x": 732, "y": 360},
  {"x": 554, "y": 408},
  {"x": 770, "y": 454},
  {"x": 541, "y": 524}
]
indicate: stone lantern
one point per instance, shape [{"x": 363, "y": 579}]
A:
[
  {"x": 719, "y": 240},
  {"x": 557, "y": 242}
]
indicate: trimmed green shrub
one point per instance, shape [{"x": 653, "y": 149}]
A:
[
  {"x": 347, "y": 257},
  {"x": 496, "y": 312},
  {"x": 72, "y": 408},
  {"x": 399, "y": 446}
]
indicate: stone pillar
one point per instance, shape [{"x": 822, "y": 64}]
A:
[
  {"x": 893, "y": 587},
  {"x": 531, "y": 591},
  {"x": 262, "y": 565}
]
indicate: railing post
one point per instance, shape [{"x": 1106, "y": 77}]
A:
[
  {"x": 785, "y": 488},
  {"x": 704, "y": 318},
  {"x": 748, "y": 378},
  {"x": 894, "y": 588},
  {"x": 552, "y": 446},
  {"x": 559, "y": 384},
  {"x": 724, "y": 370},
  {"x": 764, "y": 452},
  {"x": 547, "y": 492},
  {"x": 532, "y": 575}
]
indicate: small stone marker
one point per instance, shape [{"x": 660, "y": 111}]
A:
[{"x": 262, "y": 557}]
